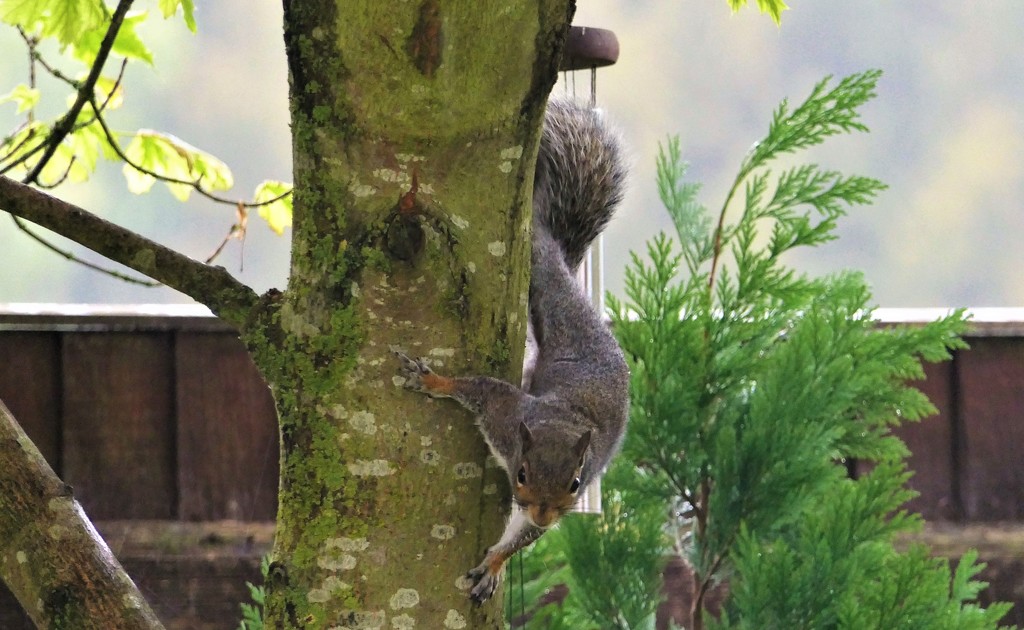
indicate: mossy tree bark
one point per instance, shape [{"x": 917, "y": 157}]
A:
[
  {"x": 41, "y": 521},
  {"x": 415, "y": 130},
  {"x": 415, "y": 135}
]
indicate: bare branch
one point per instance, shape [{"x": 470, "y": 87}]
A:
[
  {"x": 71, "y": 257},
  {"x": 83, "y": 585},
  {"x": 212, "y": 286},
  {"x": 85, "y": 91},
  {"x": 14, "y": 150}
]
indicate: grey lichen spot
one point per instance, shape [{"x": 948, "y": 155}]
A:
[
  {"x": 508, "y": 156},
  {"x": 131, "y": 601},
  {"x": 429, "y": 457},
  {"x": 459, "y": 222},
  {"x": 442, "y": 532},
  {"x": 337, "y": 562},
  {"x": 391, "y": 175},
  {"x": 362, "y": 619},
  {"x": 354, "y": 545},
  {"x": 490, "y": 488},
  {"x": 497, "y": 248},
  {"x": 403, "y": 622},
  {"x": 471, "y": 266},
  {"x": 361, "y": 190},
  {"x": 441, "y": 352},
  {"x": 371, "y": 468},
  {"x": 143, "y": 260},
  {"x": 426, "y": 440},
  {"x": 512, "y": 153},
  {"x": 404, "y": 598},
  {"x": 334, "y": 583},
  {"x": 364, "y": 422},
  {"x": 467, "y": 470},
  {"x": 57, "y": 532},
  {"x": 409, "y": 157},
  {"x": 464, "y": 582},
  {"x": 454, "y": 620},
  {"x": 22, "y": 557},
  {"x": 295, "y": 324},
  {"x": 336, "y": 554},
  {"x": 331, "y": 587}
]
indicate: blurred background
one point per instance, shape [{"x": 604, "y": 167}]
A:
[{"x": 947, "y": 135}]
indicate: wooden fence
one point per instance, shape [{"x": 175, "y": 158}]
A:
[
  {"x": 151, "y": 416},
  {"x": 147, "y": 417}
]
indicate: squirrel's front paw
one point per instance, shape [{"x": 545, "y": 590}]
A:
[
  {"x": 485, "y": 583},
  {"x": 414, "y": 371}
]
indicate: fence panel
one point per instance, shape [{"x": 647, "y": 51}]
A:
[
  {"x": 227, "y": 431},
  {"x": 119, "y": 423}
]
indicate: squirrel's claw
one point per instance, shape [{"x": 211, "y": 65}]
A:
[
  {"x": 485, "y": 583},
  {"x": 413, "y": 371}
]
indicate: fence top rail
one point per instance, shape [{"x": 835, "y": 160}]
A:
[
  {"x": 984, "y": 321},
  {"x": 109, "y": 318}
]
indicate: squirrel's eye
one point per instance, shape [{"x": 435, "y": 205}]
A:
[
  {"x": 521, "y": 477},
  {"x": 574, "y": 488}
]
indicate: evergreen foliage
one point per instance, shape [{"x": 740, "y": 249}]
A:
[
  {"x": 252, "y": 614},
  {"x": 752, "y": 386}
]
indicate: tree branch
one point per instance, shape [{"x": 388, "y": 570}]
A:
[
  {"x": 54, "y": 562},
  {"x": 85, "y": 91},
  {"x": 212, "y": 286}
]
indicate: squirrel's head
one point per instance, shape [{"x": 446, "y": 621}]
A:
[{"x": 547, "y": 481}]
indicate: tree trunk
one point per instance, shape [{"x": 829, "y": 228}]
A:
[
  {"x": 415, "y": 133},
  {"x": 51, "y": 557}
]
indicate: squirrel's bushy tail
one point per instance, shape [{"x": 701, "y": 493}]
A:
[{"x": 579, "y": 179}]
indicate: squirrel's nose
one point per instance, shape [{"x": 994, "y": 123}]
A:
[{"x": 543, "y": 516}]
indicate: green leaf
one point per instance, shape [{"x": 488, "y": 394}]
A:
[
  {"x": 774, "y": 8},
  {"x": 23, "y": 96},
  {"x": 170, "y": 7},
  {"x": 166, "y": 156},
  {"x": 64, "y": 20},
  {"x": 109, "y": 92},
  {"x": 277, "y": 213},
  {"x": 22, "y": 141},
  {"x": 127, "y": 44}
]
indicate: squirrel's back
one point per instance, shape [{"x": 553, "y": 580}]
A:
[{"x": 579, "y": 179}]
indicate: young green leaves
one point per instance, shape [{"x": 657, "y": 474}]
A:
[
  {"x": 50, "y": 151},
  {"x": 774, "y": 8}
]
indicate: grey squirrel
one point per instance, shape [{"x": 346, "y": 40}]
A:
[{"x": 557, "y": 434}]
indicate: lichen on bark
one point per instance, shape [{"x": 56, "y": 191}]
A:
[{"x": 414, "y": 126}]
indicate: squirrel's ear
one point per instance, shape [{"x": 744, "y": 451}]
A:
[
  {"x": 525, "y": 435},
  {"x": 581, "y": 445}
]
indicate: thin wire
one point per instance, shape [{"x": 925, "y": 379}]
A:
[{"x": 522, "y": 597}]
